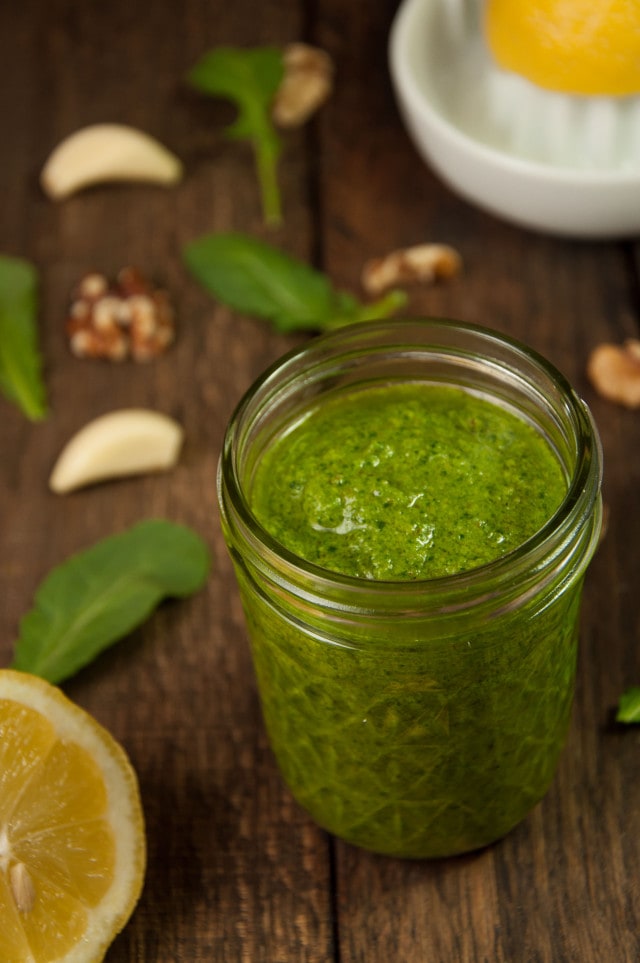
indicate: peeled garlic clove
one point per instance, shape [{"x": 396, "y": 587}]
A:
[
  {"x": 131, "y": 441},
  {"x": 107, "y": 152}
]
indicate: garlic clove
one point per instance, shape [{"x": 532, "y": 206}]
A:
[
  {"x": 130, "y": 441},
  {"x": 107, "y": 152}
]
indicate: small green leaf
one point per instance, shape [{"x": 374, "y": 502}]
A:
[
  {"x": 20, "y": 364},
  {"x": 629, "y": 706},
  {"x": 250, "y": 78},
  {"x": 101, "y": 594},
  {"x": 260, "y": 281}
]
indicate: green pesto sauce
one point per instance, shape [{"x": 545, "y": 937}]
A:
[
  {"x": 414, "y": 740},
  {"x": 407, "y": 481}
]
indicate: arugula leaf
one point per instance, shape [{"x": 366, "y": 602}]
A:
[
  {"x": 629, "y": 706},
  {"x": 99, "y": 595},
  {"x": 256, "y": 279},
  {"x": 250, "y": 78},
  {"x": 20, "y": 364}
]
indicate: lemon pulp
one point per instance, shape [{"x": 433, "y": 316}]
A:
[
  {"x": 570, "y": 46},
  {"x": 71, "y": 829}
]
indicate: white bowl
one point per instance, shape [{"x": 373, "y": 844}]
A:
[{"x": 552, "y": 162}]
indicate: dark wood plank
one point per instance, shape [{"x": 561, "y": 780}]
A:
[
  {"x": 560, "y": 887},
  {"x": 236, "y": 872}
]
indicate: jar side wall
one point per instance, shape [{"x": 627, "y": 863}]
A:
[{"x": 423, "y": 751}]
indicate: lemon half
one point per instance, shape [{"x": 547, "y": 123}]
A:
[
  {"x": 72, "y": 842},
  {"x": 570, "y": 46}
]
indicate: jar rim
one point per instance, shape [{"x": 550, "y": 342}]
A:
[{"x": 543, "y": 551}]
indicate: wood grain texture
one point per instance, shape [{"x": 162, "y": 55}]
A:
[
  {"x": 237, "y": 872},
  {"x": 561, "y": 887}
]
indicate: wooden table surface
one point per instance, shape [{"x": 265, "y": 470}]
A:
[{"x": 236, "y": 871}]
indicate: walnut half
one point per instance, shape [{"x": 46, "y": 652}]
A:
[
  {"x": 614, "y": 371},
  {"x": 422, "y": 262},
  {"x": 306, "y": 84},
  {"x": 116, "y": 321}
]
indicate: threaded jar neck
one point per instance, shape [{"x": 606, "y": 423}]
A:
[{"x": 438, "y": 352}]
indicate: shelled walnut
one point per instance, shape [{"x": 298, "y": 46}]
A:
[
  {"x": 126, "y": 319},
  {"x": 305, "y": 86},
  {"x": 422, "y": 262},
  {"x": 614, "y": 371}
]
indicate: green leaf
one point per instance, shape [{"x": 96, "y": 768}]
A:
[
  {"x": 250, "y": 78},
  {"x": 629, "y": 706},
  {"x": 258, "y": 280},
  {"x": 102, "y": 593},
  {"x": 20, "y": 364}
]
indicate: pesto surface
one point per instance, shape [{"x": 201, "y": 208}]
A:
[{"x": 406, "y": 481}]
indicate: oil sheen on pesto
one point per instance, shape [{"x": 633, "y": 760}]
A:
[{"x": 406, "y": 481}]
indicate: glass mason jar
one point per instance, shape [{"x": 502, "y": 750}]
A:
[{"x": 421, "y": 718}]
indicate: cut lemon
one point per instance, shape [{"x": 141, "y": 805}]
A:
[
  {"x": 72, "y": 843},
  {"x": 570, "y": 46}
]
